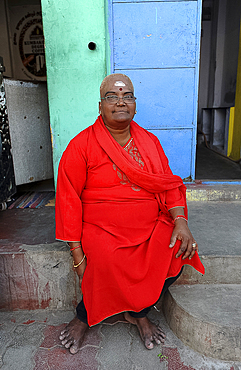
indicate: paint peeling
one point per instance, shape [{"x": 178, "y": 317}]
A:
[{"x": 53, "y": 142}]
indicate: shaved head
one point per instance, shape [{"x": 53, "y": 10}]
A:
[{"x": 118, "y": 78}]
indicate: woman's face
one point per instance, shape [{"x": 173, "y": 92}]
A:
[{"x": 120, "y": 114}]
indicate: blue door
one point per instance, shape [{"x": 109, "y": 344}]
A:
[{"x": 156, "y": 43}]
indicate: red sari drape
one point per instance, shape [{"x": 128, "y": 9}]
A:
[{"x": 125, "y": 230}]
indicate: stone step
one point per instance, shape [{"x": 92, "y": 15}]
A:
[
  {"x": 218, "y": 270},
  {"x": 41, "y": 276},
  {"x": 214, "y": 191},
  {"x": 216, "y": 227},
  {"x": 37, "y": 277},
  {"x": 207, "y": 318},
  {"x": 36, "y": 271}
]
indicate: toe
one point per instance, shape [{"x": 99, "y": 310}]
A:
[
  {"x": 148, "y": 342},
  {"x": 161, "y": 333},
  {"x": 63, "y": 331},
  {"x": 64, "y": 337},
  {"x": 74, "y": 349},
  {"x": 157, "y": 340},
  {"x": 160, "y": 338},
  {"x": 68, "y": 343}
]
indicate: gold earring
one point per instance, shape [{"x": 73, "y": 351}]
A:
[{"x": 135, "y": 111}]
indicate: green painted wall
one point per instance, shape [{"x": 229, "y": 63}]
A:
[{"x": 74, "y": 72}]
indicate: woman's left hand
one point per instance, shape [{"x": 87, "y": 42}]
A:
[{"x": 181, "y": 232}]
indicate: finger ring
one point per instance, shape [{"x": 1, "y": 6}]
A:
[{"x": 194, "y": 245}]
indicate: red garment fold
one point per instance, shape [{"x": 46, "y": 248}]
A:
[
  {"x": 155, "y": 180},
  {"x": 125, "y": 230}
]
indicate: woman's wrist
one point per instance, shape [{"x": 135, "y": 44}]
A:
[
  {"x": 79, "y": 263},
  {"x": 73, "y": 244},
  {"x": 178, "y": 218}
]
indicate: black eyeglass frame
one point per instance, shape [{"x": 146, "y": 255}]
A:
[{"x": 117, "y": 98}]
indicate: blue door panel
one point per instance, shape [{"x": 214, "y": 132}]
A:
[
  {"x": 156, "y": 43},
  {"x": 164, "y": 97},
  {"x": 154, "y": 34},
  {"x": 177, "y": 145},
  {"x": 146, "y": 1}
]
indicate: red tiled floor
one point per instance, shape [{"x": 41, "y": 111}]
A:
[
  {"x": 52, "y": 355},
  {"x": 174, "y": 359},
  {"x": 60, "y": 359}
]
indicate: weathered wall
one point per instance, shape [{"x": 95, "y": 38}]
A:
[{"x": 74, "y": 72}]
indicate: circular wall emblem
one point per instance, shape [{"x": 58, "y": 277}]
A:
[
  {"x": 28, "y": 41},
  {"x": 31, "y": 47}
]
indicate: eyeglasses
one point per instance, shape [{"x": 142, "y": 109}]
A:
[{"x": 113, "y": 99}]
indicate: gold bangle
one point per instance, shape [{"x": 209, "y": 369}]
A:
[{"x": 75, "y": 266}]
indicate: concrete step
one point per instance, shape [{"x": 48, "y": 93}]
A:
[
  {"x": 36, "y": 271},
  {"x": 207, "y": 318},
  {"x": 37, "y": 277},
  {"x": 204, "y": 311},
  {"x": 216, "y": 227},
  {"x": 214, "y": 191}
]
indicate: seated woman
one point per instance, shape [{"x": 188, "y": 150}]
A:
[{"x": 124, "y": 216}]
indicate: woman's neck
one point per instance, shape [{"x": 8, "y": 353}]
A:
[{"x": 120, "y": 135}]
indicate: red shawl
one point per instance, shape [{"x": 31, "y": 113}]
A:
[
  {"x": 125, "y": 233},
  {"x": 155, "y": 180}
]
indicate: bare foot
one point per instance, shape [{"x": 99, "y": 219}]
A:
[
  {"x": 73, "y": 335},
  {"x": 149, "y": 332}
]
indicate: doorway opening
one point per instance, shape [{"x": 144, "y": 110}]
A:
[
  {"x": 25, "y": 88},
  {"x": 219, "y": 61}
]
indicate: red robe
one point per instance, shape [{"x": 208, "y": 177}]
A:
[{"x": 125, "y": 233}]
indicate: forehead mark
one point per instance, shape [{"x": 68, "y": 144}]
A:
[
  {"x": 120, "y": 89},
  {"x": 119, "y": 83}
]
